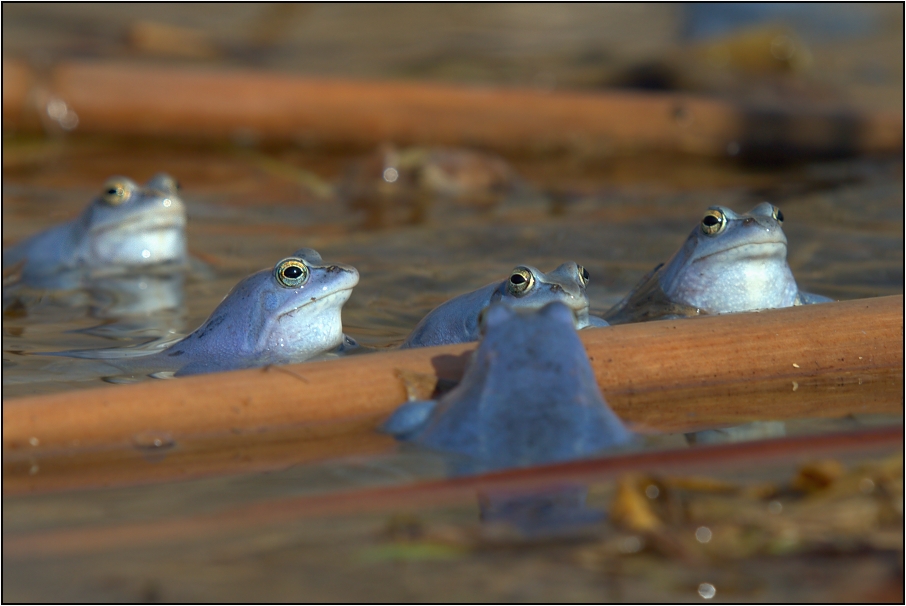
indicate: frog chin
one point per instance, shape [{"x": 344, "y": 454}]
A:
[
  {"x": 308, "y": 329},
  {"x": 162, "y": 244},
  {"x": 748, "y": 283},
  {"x": 748, "y": 251}
]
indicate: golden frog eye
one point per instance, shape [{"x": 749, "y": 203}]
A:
[
  {"x": 583, "y": 275},
  {"x": 291, "y": 273},
  {"x": 117, "y": 191},
  {"x": 778, "y": 216},
  {"x": 714, "y": 222},
  {"x": 521, "y": 281}
]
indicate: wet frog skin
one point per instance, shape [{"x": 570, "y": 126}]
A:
[
  {"x": 529, "y": 396},
  {"x": 729, "y": 263},
  {"x": 127, "y": 227},
  {"x": 288, "y": 313},
  {"x": 456, "y": 321}
]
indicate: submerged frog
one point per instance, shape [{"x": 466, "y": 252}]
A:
[
  {"x": 407, "y": 186},
  {"x": 729, "y": 263},
  {"x": 287, "y": 314},
  {"x": 127, "y": 226},
  {"x": 456, "y": 321},
  {"x": 528, "y": 396}
]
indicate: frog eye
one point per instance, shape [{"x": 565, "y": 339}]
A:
[
  {"x": 291, "y": 273},
  {"x": 714, "y": 222},
  {"x": 583, "y": 275},
  {"x": 777, "y": 215},
  {"x": 117, "y": 191},
  {"x": 521, "y": 281}
]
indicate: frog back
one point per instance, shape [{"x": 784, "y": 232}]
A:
[{"x": 455, "y": 321}]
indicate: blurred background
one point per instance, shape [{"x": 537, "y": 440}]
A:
[{"x": 840, "y": 51}]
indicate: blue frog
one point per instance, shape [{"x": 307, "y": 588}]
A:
[
  {"x": 456, "y": 321},
  {"x": 128, "y": 227},
  {"x": 290, "y": 313},
  {"x": 529, "y": 396},
  {"x": 729, "y": 263}
]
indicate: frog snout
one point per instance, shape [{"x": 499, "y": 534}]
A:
[
  {"x": 758, "y": 222},
  {"x": 350, "y": 273}
]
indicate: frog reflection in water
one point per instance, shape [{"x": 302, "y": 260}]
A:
[
  {"x": 528, "y": 396},
  {"x": 127, "y": 227},
  {"x": 729, "y": 263},
  {"x": 456, "y": 321},
  {"x": 290, "y": 313}
]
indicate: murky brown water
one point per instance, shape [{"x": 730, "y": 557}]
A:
[
  {"x": 248, "y": 208},
  {"x": 239, "y": 534}
]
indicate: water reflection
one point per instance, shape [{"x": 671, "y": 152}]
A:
[
  {"x": 412, "y": 186},
  {"x": 757, "y": 430},
  {"x": 551, "y": 512},
  {"x": 144, "y": 304}
]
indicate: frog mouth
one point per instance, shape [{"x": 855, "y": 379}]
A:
[
  {"x": 145, "y": 223},
  {"x": 750, "y": 250},
  {"x": 345, "y": 293}
]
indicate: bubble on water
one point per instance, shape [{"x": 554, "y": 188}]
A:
[
  {"x": 631, "y": 545},
  {"x": 391, "y": 175},
  {"x": 652, "y": 491},
  {"x": 703, "y": 534},
  {"x": 153, "y": 440},
  {"x": 707, "y": 591},
  {"x": 775, "y": 507},
  {"x": 58, "y": 110},
  {"x": 783, "y": 48}
]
